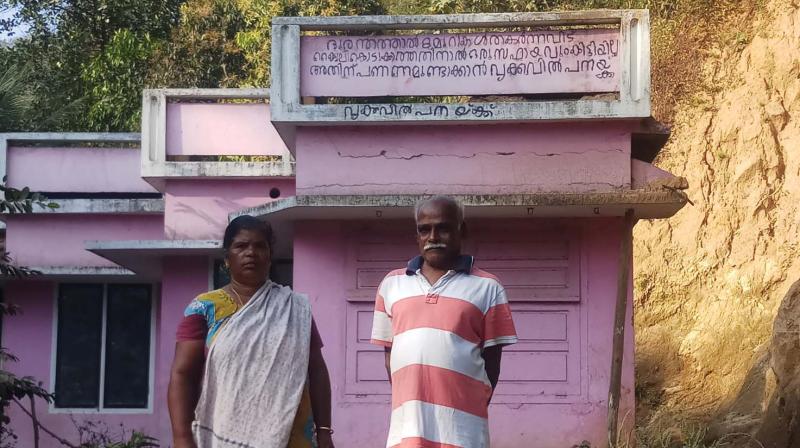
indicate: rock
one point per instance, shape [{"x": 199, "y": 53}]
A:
[
  {"x": 780, "y": 426},
  {"x": 710, "y": 281}
]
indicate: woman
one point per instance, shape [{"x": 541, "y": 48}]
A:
[{"x": 248, "y": 368}]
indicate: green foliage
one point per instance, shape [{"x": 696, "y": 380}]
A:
[
  {"x": 15, "y": 99},
  {"x": 202, "y": 51},
  {"x": 255, "y": 40},
  {"x": 66, "y": 38},
  {"x": 22, "y": 201},
  {"x": 115, "y": 78},
  {"x": 93, "y": 435},
  {"x": 226, "y": 43}
]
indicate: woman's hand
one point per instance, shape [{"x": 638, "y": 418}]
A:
[
  {"x": 324, "y": 439},
  {"x": 185, "y": 443}
]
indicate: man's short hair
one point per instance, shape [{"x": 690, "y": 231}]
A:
[{"x": 441, "y": 199}]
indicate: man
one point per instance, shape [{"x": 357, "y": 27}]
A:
[{"x": 443, "y": 324}]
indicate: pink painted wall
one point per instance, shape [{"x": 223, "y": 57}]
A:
[
  {"x": 221, "y": 129},
  {"x": 30, "y": 337},
  {"x": 567, "y": 157},
  {"x": 58, "y": 240},
  {"x": 90, "y": 170},
  {"x": 198, "y": 209},
  {"x": 322, "y": 271}
]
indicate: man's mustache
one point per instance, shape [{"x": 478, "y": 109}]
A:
[{"x": 435, "y": 246}]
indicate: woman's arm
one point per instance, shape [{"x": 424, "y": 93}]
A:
[
  {"x": 184, "y": 390},
  {"x": 320, "y": 389}
]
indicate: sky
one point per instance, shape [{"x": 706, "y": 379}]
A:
[{"x": 5, "y": 14}]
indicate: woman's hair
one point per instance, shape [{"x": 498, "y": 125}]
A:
[{"x": 247, "y": 222}]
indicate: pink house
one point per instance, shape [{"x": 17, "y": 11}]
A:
[{"x": 546, "y": 176}]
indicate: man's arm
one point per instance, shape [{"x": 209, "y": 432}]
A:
[
  {"x": 387, "y": 355},
  {"x": 184, "y": 390},
  {"x": 320, "y": 389},
  {"x": 491, "y": 358}
]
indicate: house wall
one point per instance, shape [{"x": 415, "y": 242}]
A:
[
  {"x": 198, "y": 209},
  {"x": 213, "y": 129},
  {"x": 58, "y": 239},
  {"x": 76, "y": 169},
  {"x": 554, "y": 383},
  {"x": 497, "y": 159},
  {"x": 30, "y": 336}
]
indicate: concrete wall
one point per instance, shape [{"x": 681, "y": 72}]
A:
[
  {"x": 198, "y": 209},
  {"x": 58, "y": 239},
  {"x": 221, "y": 129},
  {"x": 501, "y": 159},
  {"x": 76, "y": 169},
  {"x": 518, "y": 417}
]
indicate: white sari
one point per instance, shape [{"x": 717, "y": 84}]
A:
[{"x": 255, "y": 373}]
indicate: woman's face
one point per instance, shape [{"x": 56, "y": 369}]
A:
[{"x": 249, "y": 258}]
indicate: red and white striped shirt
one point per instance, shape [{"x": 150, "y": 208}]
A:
[{"x": 440, "y": 390}]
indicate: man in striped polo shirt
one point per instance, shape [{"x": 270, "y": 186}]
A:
[{"x": 443, "y": 323}]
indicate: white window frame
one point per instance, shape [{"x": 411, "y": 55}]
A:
[{"x": 100, "y": 409}]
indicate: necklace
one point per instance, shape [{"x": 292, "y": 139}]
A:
[{"x": 239, "y": 300}]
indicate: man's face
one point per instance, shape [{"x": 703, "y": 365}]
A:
[{"x": 439, "y": 235}]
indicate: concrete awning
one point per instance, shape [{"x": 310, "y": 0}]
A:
[
  {"x": 145, "y": 257},
  {"x": 80, "y": 273},
  {"x": 647, "y": 204}
]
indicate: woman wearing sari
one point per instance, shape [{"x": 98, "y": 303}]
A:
[{"x": 248, "y": 369}]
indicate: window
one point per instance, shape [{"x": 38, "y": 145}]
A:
[{"x": 103, "y": 346}]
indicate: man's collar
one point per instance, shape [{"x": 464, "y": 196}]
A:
[{"x": 463, "y": 264}]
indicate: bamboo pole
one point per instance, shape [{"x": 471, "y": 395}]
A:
[{"x": 618, "y": 347}]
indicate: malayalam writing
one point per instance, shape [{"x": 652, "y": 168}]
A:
[
  {"x": 358, "y": 111},
  {"x": 455, "y": 64}
]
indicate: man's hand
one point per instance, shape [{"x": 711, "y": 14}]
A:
[{"x": 324, "y": 439}]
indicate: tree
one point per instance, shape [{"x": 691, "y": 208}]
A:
[
  {"x": 226, "y": 43},
  {"x": 67, "y": 39},
  {"x": 202, "y": 51},
  {"x": 115, "y": 77},
  {"x": 15, "y": 99}
]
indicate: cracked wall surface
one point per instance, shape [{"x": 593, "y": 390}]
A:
[{"x": 498, "y": 159}]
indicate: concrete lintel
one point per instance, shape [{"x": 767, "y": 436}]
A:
[
  {"x": 201, "y": 94},
  {"x": 422, "y": 113},
  {"x": 50, "y": 272},
  {"x": 102, "y": 206},
  {"x": 227, "y": 170},
  {"x": 647, "y": 205},
  {"x": 71, "y": 137},
  {"x": 159, "y": 247},
  {"x": 146, "y": 257},
  {"x": 450, "y": 21}
]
